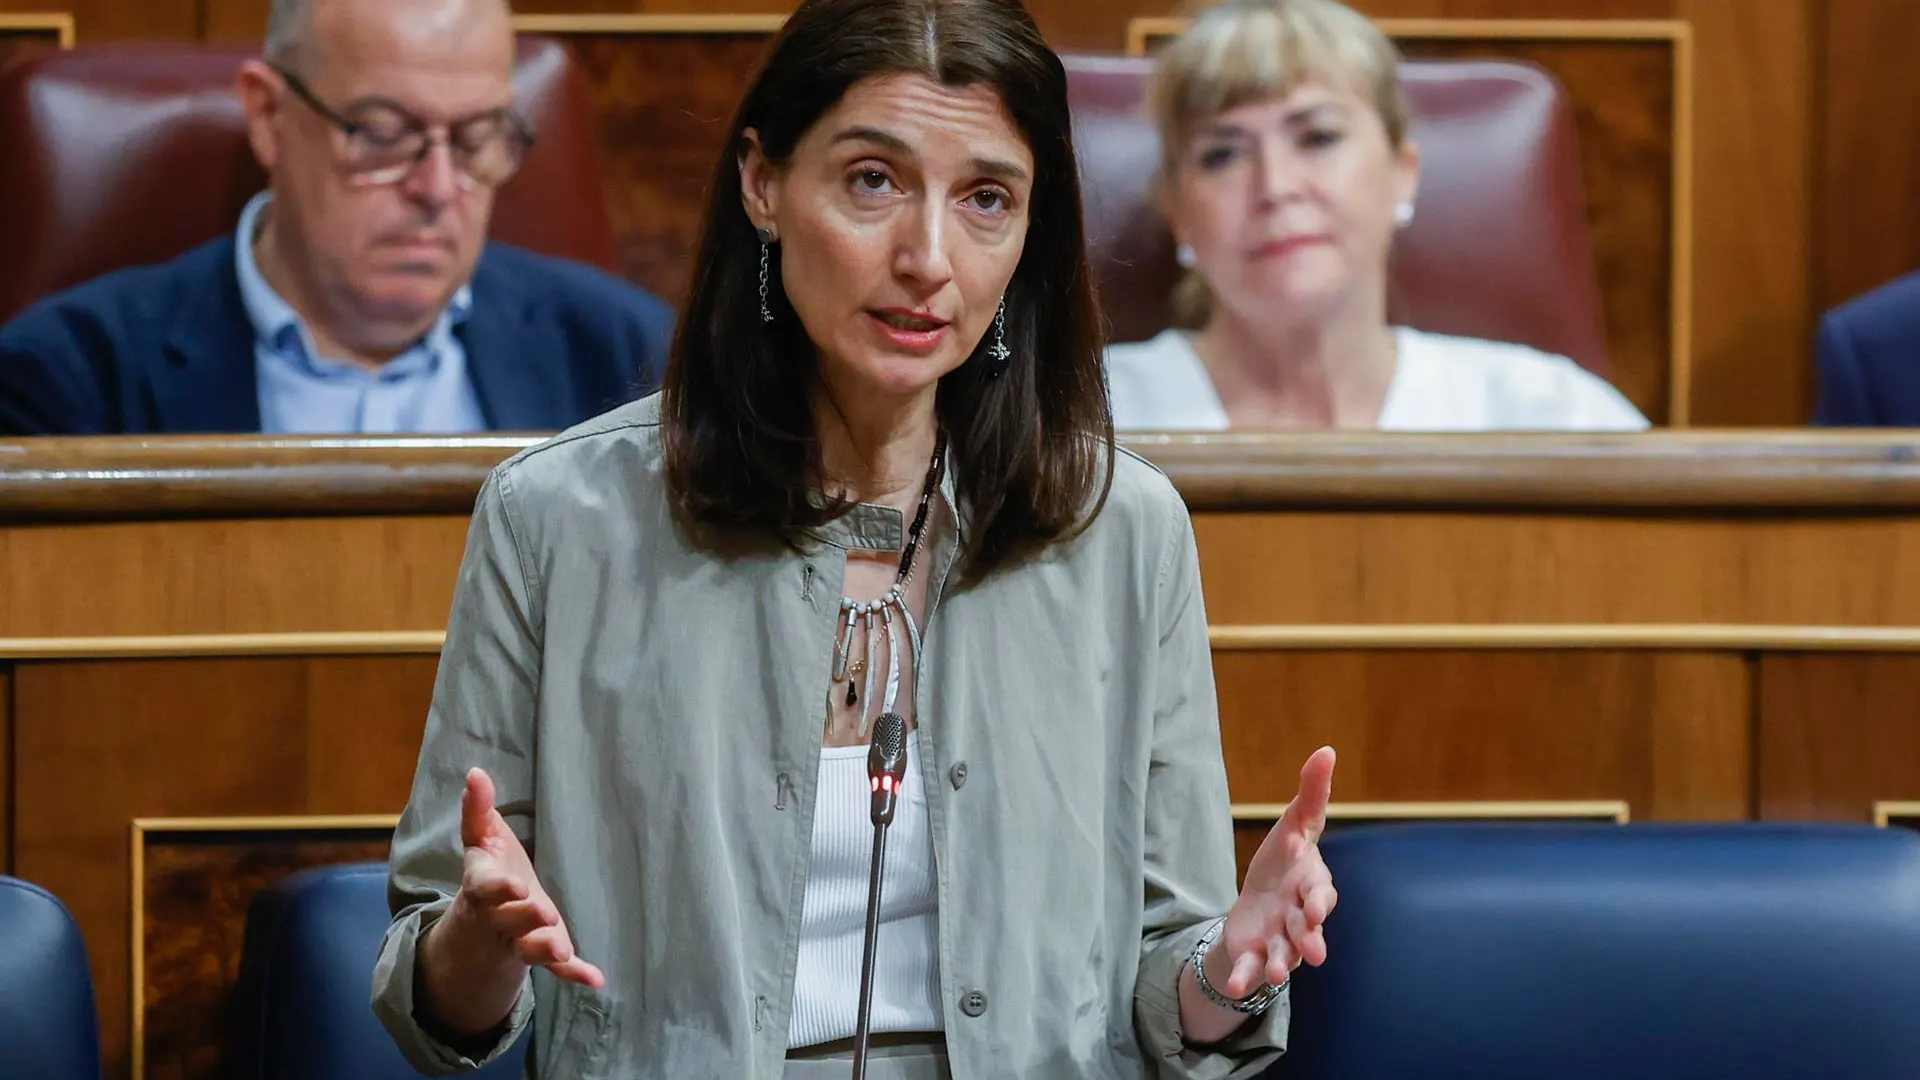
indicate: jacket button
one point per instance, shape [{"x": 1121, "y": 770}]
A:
[
  {"x": 958, "y": 774},
  {"x": 974, "y": 1002}
]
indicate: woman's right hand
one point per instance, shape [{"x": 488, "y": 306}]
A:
[
  {"x": 500, "y": 892},
  {"x": 501, "y": 923}
]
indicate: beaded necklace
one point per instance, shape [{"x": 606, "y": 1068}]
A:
[{"x": 876, "y": 617}]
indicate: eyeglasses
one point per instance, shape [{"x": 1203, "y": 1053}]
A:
[{"x": 383, "y": 143}]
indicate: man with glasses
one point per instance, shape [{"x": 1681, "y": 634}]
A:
[{"x": 359, "y": 292}]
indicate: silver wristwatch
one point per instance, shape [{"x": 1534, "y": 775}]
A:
[{"x": 1253, "y": 1004}]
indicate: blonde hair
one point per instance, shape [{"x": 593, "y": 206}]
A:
[{"x": 1245, "y": 51}]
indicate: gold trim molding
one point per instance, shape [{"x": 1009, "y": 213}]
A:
[
  {"x": 1679, "y": 34},
  {"x": 1286, "y": 637},
  {"x": 1615, "y": 810},
  {"x": 142, "y": 827},
  {"x": 60, "y": 22},
  {"x": 265, "y": 823},
  {"x": 1885, "y": 810},
  {"x": 1141, "y": 31},
  {"x": 1524, "y": 636},
  {"x": 648, "y": 24},
  {"x": 163, "y": 646}
]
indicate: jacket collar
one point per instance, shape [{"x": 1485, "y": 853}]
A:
[
  {"x": 209, "y": 384},
  {"x": 517, "y": 371},
  {"x": 872, "y": 527}
]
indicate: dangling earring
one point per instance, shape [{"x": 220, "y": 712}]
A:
[
  {"x": 766, "y": 244},
  {"x": 1185, "y": 256},
  {"x": 999, "y": 351},
  {"x": 1403, "y": 214}
]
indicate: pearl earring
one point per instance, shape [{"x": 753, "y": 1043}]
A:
[
  {"x": 1185, "y": 256},
  {"x": 1403, "y": 214}
]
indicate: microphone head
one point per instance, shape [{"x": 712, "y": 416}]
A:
[
  {"x": 887, "y": 755},
  {"x": 887, "y": 765}
]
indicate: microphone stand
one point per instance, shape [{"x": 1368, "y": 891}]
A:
[{"x": 886, "y": 767}]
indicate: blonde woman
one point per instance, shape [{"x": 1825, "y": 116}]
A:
[{"x": 1287, "y": 167}]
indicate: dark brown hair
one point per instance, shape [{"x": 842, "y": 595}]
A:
[{"x": 1032, "y": 448}]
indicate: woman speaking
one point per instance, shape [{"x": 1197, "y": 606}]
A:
[{"x": 880, "y": 486}]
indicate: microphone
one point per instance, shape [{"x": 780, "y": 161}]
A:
[
  {"x": 886, "y": 768},
  {"x": 886, "y": 765}
]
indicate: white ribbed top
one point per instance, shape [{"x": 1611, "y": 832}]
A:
[{"x": 833, "y": 922}]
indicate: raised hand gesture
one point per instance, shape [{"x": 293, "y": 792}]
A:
[
  {"x": 500, "y": 893},
  {"x": 1275, "y": 925}
]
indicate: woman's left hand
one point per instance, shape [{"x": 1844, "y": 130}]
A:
[{"x": 1275, "y": 925}]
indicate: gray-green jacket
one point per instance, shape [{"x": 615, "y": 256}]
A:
[{"x": 650, "y": 707}]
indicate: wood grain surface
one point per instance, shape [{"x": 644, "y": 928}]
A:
[
  {"x": 1665, "y": 732},
  {"x": 105, "y": 743},
  {"x": 1837, "y": 734},
  {"x": 196, "y": 891},
  {"x": 145, "y": 478}
]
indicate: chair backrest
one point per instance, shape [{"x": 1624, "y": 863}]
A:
[
  {"x": 48, "y": 1027},
  {"x": 1500, "y": 248},
  {"x": 306, "y": 980},
  {"x": 1656, "y": 952},
  {"x": 125, "y": 154}
]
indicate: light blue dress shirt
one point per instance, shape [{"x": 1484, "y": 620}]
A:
[{"x": 425, "y": 389}]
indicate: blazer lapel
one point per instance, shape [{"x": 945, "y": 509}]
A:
[
  {"x": 515, "y": 373},
  {"x": 207, "y": 381}
]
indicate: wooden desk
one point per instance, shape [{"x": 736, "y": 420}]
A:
[{"x": 216, "y": 654}]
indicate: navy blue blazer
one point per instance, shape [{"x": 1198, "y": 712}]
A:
[
  {"x": 168, "y": 349},
  {"x": 1870, "y": 359}
]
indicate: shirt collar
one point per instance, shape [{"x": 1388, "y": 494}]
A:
[
  {"x": 278, "y": 326},
  {"x": 275, "y": 323}
]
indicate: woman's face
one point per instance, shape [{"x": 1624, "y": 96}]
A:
[
  {"x": 900, "y": 217},
  {"x": 1289, "y": 204}
]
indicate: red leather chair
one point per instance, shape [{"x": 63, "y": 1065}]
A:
[
  {"x": 1499, "y": 249},
  {"x": 120, "y": 155}
]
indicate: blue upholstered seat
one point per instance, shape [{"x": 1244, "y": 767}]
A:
[
  {"x": 307, "y": 979},
  {"x": 1652, "y": 952},
  {"x": 48, "y": 1027}
]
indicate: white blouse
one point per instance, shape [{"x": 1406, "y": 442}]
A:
[
  {"x": 1442, "y": 383},
  {"x": 833, "y": 919}
]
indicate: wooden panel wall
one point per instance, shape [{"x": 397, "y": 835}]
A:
[
  {"x": 195, "y": 884},
  {"x": 1752, "y": 210},
  {"x": 110, "y": 742},
  {"x": 255, "y": 576},
  {"x": 1742, "y": 730},
  {"x": 27, "y": 33},
  {"x": 251, "y": 762},
  {"x": 1624, "y": 92},
  {"x": 1666, "y": 733},
  {"x": 1387, "y": 569},
  {"x": 1690, "y": 627},
  {"x": 660, "y": 147},
  {"x": 1837, "y": 733},
  {"x": 1868, "y": 220},
  {"x": 120, "y": 20}
]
